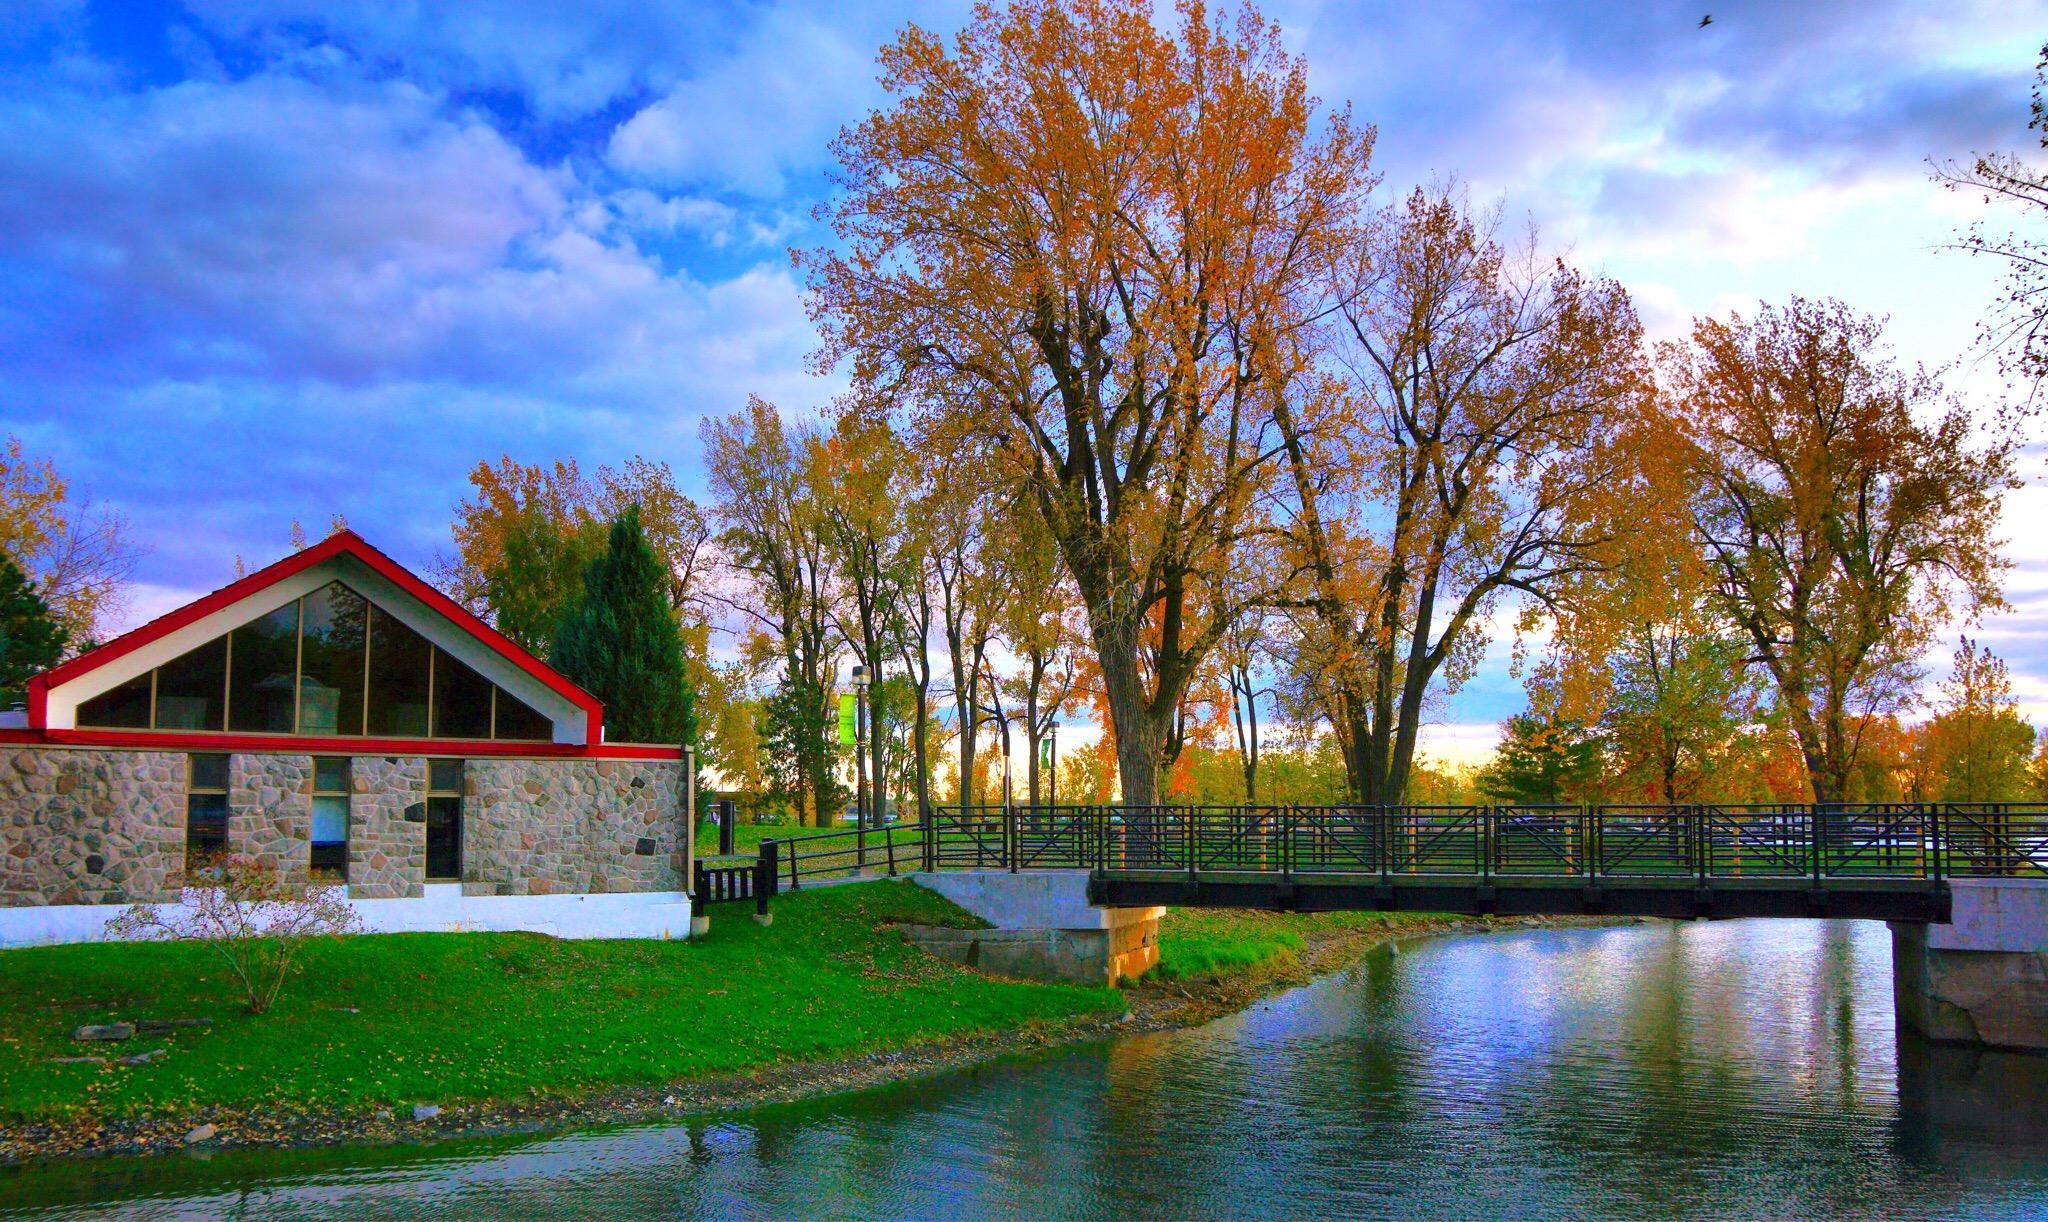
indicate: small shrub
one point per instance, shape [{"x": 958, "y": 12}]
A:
[{"x": 256, "y": 920}]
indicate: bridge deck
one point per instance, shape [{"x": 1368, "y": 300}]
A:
[{"x": 1877, "y": 899}]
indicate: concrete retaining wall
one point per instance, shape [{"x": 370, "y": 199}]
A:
[
  {"x": 443, "y": 908},
  {"x": 1045, "y": 928}
]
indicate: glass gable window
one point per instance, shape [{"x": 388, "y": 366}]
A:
[
  {"x": 333, "y": 651},
  {"x": 191, "y": 692},
  {"x": 124, "y": 708},
  {"x": 401, "y": 674},
  {"x": 329, "y": 664},
  {"x": 263, "y": 666}
]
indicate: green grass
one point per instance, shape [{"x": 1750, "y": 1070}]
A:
[
  {"x": 1212, "y": 943},
  {"x": 400, "y": 1018}
]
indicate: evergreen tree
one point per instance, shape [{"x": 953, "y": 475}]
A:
[
  {"x": 30, "y": 639},
  {"x": 1542, "y": 762},
  {"x": 621, "y": 642}
]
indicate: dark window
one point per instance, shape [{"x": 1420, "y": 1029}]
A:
[
  {"x": 444, "y": 819},
  {"x": 206, "y": 808},
  {"x": 124, "y": 708},
  {"x": 189, "y": 689},
  {"x": 517, "y": 721},
  {"x": 263, "y": 664},
  {"x": 462, "y": 699},
  {"x": 331, "y": 661},
  {"x": 330, "y": 818},
  {"x": 399, "y": 658}
]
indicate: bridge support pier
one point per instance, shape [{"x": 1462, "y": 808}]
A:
[
  {"x": 1983, "y": 978},
  {"x": 1045, "y": 928}
]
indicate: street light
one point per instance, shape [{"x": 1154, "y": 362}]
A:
[
  {"x": 860, "y": 755},
  {"x": 1052, "y": 765}
]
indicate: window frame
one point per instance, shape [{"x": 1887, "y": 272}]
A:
[
  {"x": 313, "y": 864},
  {"x": 445, "y": 794},
  {"x": 193, "y": 790}
]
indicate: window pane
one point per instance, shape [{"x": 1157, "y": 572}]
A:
[
  {"x": 330, "y": 819},
  {"x": 517, "y": 721},
  {"x": 462, "y": 700},
  {"x": 398, "y": 677},
  {"x": 206, "y": 824},
  {"x": 444, "y": 837},
  {"x": 330, "y": 774},
  {"x": 262, "y": 672},
  {"x": 331, "y": 667},
  {"x": 124, "y": 708},
  {"x": 209, "y": 771},
  {"x": 444, "y": 776},
  {"x": 189, "y": 689}
]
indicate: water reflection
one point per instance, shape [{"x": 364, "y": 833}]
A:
[{"x": 1740, "y": 1068}]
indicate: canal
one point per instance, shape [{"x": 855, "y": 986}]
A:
[{"x": 1743, "y": 1068}]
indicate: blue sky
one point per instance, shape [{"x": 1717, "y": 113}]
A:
[{"x": 274, "y": 259}]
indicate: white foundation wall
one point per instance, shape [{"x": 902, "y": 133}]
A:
[{"x": 443, "y": 909}]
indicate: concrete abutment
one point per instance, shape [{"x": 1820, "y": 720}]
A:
[
  {"x": 1983, "y": 978},
  {"x": 1045, "y": 929}
]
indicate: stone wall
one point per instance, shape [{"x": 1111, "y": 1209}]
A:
[
  {"x": 90, "y": 827},
  {"x": 108, "y": 827},
  {"x": 270, "y": 811},
  {"x": 540, "y": 827},
  {"x": 387, "y": 827}
]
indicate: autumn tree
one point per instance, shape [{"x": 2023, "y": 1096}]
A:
[
  {"x": 1035, "y": 622},
  {"x": 1078, "y": 236},
  {"x": 1980, "y": 745},
  {"x": 1485, "y": 453},
  {"x": 772, "y": 539},
  {"x": 77, "y": 554},
  {"x": 1843, "y": 507},
  {"x": 2017, "y": 328}
]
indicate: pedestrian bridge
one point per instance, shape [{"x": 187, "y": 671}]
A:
[
  {"x": 1078, "y": 892},
  {"x": 1892, "y": 862}
]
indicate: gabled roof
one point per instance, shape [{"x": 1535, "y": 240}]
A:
[{"x": 341, "y": 543}]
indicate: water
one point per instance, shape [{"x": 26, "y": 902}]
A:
[{"x": 1743, "y": 1068}]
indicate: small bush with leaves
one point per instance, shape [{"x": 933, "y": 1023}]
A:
[{"x": 252, "y": 917}]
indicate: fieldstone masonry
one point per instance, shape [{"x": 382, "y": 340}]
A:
[
  {"x": 90, "y": 827},
  {"x": 387, "y": 827},
  {"x": 108, "y": 827},
  {"x": 270, "y": 811},
  {"x": 543, "y": 827}
]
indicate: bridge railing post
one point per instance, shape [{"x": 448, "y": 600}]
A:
[{"x": 1817, "y": 834}]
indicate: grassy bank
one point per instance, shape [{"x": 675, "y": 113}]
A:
[
  {"x": 399, "y": 1019},
  {"x": 1219, "y": 945}
]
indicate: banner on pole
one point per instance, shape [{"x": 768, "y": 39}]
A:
[
  {"x": 846, "y": 716},
  {"x": 1045, "y": 753}
]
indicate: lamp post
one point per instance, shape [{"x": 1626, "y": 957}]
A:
[
  {"x": 860, "y": 754},
  {"x": 1052, "y": 766}
]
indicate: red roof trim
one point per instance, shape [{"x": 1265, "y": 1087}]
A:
[
  {"x": 186, "y": 740},
  {"x": 345, "y": 542}
]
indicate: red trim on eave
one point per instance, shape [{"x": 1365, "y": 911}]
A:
[
  {"x": 185, "y": 740},
  {"x": 341, "y": 542}
]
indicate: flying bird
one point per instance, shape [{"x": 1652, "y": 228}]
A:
[{"x": 1706, "y": 21}]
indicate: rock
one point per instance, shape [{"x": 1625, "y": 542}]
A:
[
  {"x": 425, "y": 1111},
  {"x": 142, "y": 1058},
  {"x": 383, "y": 1113},
  {"x": 105, "y": 1031},
  {"x": 164, "y": 1026},
  {"x": 204, "y": 1132}
]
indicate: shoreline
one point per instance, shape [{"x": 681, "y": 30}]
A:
[{"x": 1152, "y": 1006}]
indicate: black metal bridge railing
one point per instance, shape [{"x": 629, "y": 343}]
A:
[{"x": 1459, "y": 856}]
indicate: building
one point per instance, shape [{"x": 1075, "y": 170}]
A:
[{"x": 337, "y": 718}]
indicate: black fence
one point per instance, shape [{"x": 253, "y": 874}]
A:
[{"x": 1817, "y": 843}]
